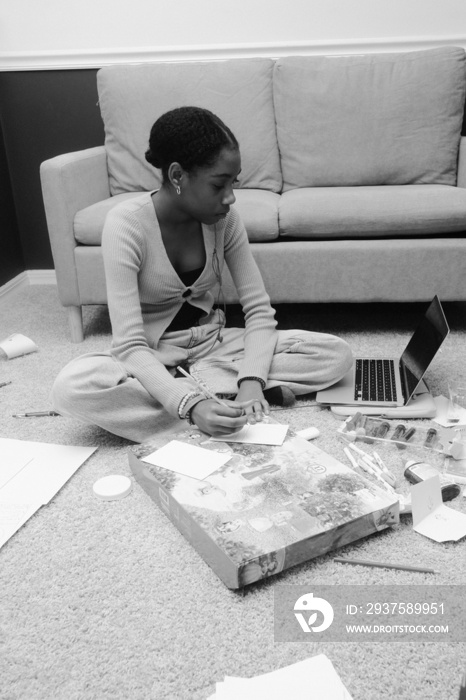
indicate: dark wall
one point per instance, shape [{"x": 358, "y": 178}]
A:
[
  {"x": 11, "y": 255},
  {"x": 42, "y": 114}
]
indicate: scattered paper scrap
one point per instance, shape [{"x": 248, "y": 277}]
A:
[
  {"x": 431, "y": 517},
  {"x": 315, "y": 677},
  {"x": 258, "y": 434},
  {"x": 189, "y": 460},
  {"x": 17, "y": 345}
]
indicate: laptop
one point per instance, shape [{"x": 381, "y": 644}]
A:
[{"x": 391, "y": 382}]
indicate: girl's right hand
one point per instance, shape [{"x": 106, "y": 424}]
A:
[{"x": 214, "y": 419}]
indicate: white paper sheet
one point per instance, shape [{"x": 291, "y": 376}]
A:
[
  {"x": 258, "y": 434},
  {"x": 431, "y": 517},
  {"x": 31, "y": 473},
  {"x": 189, "y": 460},
  {"x": 46, "y": 468},
  {"x": 10, "y": 465},
  {"x": 13, "y": 516},
  {"x": 312, "y": 679}
]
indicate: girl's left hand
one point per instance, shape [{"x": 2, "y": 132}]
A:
[{"x": 255, "y": 406}]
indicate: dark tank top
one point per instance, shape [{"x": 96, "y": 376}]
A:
[{"x": 188, "y": 315}]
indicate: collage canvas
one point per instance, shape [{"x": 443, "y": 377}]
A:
[{"x": 268, "y": 507}]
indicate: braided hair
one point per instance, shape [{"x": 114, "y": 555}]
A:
[{"x": 190, "y": 136}]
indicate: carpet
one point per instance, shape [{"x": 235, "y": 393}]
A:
[{"x": 108, "y": 600}]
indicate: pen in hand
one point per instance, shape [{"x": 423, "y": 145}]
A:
[
  {"x": 203, "y": 388},
  {"x": 35, "y": 414}
]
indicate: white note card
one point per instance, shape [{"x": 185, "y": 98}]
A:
[
  {"x": 189, "y": 460},
  {"x": 431, "y": 517}
]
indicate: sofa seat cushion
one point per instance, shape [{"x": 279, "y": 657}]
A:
[
  {"x": 372, "y": 212},
  {"x": 257, "y": 208},
  {"x": 259, "y": 211},
  {"x": 380, "y": 119},
  {"x": 239, "y": 91}
]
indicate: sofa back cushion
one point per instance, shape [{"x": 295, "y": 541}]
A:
[
  {"x": 132, "y": 97},
  {"x": 379, "y": 119}
]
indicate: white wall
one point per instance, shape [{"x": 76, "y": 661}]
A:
[{"x": 52, "y": 33}]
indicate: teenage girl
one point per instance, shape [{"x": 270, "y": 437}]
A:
[{"x": 164, "y": 254}]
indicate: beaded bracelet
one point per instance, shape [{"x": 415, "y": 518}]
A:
[
  {"x": 252, "y": 379},
  {"x": 184, "y": 401},
  {"x": 188, "y": 415}
]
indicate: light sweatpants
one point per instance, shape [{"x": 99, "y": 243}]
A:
[{"x": 95, "y": 388}]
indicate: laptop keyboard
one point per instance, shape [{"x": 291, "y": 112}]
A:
[{"x": 375, "y": 380}]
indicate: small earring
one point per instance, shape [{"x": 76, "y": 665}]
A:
[{"x": 178, "y": 189}]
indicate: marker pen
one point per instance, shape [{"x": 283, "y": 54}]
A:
[{"x": 35, "y": 414}]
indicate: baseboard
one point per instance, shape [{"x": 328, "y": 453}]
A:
[
  {"x": 26, "y": 279},
  {"x": 42, "y": 276},
  {"x": 59, "y": 60}
]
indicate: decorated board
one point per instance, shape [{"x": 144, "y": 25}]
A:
[{"x": 267, "y": 508}]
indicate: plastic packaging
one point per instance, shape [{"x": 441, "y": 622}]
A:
[{"x": 372, "y": 430}]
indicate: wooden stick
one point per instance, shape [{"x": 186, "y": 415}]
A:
[{"x": 384, "y": 565}]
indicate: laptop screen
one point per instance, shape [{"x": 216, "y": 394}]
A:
[{"x": 424, "y": 345}]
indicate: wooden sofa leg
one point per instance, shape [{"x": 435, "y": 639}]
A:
[{"x": 75, "y": 319}]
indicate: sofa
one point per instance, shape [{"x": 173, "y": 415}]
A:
[{"x": 353, "y": 182}]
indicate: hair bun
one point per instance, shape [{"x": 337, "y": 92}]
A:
[
  {"x": 190, "y": 136},
  {"x": 151, "y": 159}
]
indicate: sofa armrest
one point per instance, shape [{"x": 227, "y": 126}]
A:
[
  {"x": 461, "y": 177},
  {"x": 71, "y": 182}
]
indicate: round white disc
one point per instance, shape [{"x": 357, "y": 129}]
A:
[{"x": 112, "y": 488}]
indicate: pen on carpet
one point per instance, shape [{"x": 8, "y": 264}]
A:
[
  {"x": 387, "y": 475},
  {"x": 203, "y": 387},
  {"x": 375, "y": 468},
  {"x": 35, "y": 414},
  {"x": 4, "y": 384},
  {"x": 363, "y": 454},
  {"x": 353, "y": 461},
  {"x": 367, "y": 467},
  {"x": 385, "y": 565}
]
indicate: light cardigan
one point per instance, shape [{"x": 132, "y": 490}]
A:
[{"x": 144, "y": 294}]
